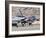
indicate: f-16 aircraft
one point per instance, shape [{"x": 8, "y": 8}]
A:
[{"x": 23, "y": 19}]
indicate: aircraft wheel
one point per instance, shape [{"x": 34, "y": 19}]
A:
[
  {"x": 22, "y": 24},
  {"x": 30, "y": 24},
  {"x": 15, "y": 25}
]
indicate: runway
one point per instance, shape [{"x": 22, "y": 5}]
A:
[{"x": 34, "y": 26}]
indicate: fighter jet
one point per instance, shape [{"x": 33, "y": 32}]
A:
[{"x": 23, "y": 19}]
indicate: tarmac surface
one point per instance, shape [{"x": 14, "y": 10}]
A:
[{"x": 34, "y": 26}]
